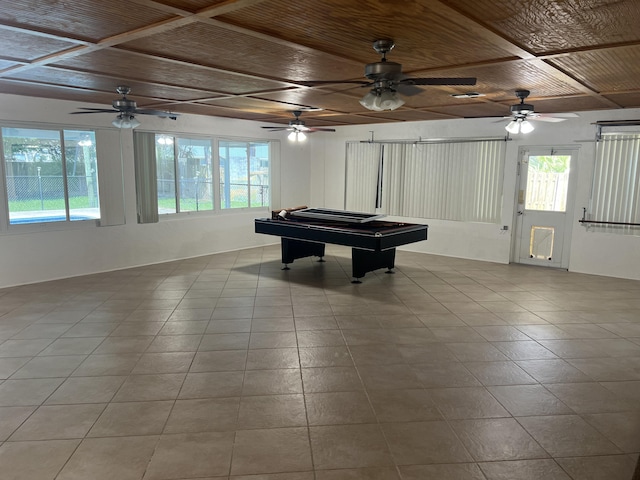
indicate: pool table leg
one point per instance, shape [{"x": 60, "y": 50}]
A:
[
  {"x": 363, "y": 261},
  {"x": 294, "y": 249}
]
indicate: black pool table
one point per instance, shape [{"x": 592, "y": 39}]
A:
[{"x": 373, "y": 243}]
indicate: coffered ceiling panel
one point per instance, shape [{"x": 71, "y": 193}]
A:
[{"x": 258, "y": 59}]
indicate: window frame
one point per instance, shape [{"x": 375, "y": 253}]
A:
[{"x": 5, "y": 226}]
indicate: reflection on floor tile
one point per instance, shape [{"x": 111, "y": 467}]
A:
[{"x": 225, "y": 366}]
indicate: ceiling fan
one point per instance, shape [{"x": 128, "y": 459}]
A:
[
  {"x": 127, "y": 110},
  {"x": 298, "y": 129},
  {"x": 522, "y": 112},
  {"x": 387, "y": 81}
]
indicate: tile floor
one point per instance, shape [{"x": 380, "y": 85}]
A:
[{"x": 227, "y": 367}]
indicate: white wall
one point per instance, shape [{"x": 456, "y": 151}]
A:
[
  {"x": 44, "y": 252},
  {"x": 311, "y": 174},
  {"x": 590, "y": 252}
]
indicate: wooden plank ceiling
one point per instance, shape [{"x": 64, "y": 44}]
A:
[{"x": 249, "y": 58}]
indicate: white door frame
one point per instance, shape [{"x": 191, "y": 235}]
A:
[{"x": 520, "y": 189}]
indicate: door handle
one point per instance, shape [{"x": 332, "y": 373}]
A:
[{"x": 520, "y": 212}]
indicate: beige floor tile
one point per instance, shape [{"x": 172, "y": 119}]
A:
[
  {"x": 386, "y": 377},
  {"x": 272, "y": 382},
  {"x": 59, "y": 422},
  {"x": 376, "y": 354},
  {"x": 184, "y": 328},
  {"x": 496, "y": 439},
  {"x": 553, "y": 371},
  {"x": 320, "y": 338},
  {"x": 315, "y": 323},
  {"x": 107, "y": 364},
  {"x": 23, "y": 348},
  {"x": 169, "y": 362},
  {"x": 476, "y": 352},
  {"x": 8, "y": 366},
  {"x": 623, "y": 429},
  {"x": 97, "y": 329},
  {"x": 444, "y": 374},
  {"x": 47, "y": 367},
  {"x": 456, "y": 334},
  {"x": 119, "y": 345},
  {"x": 526, "y": 400},
  {"x": 424, "y": 443},
  {"x": 272, "y": 411},
  {"x": 220, "y": 360},
  {"x": 229, "y": 326},
  {"x": 591, "y": 398},
  {"x": 36, "y": 331},
  {"x": 191, "y": 455},
  {"x": 432, "y": 353},
  {"x": 331, "y": 379},
  {"x": 175, "y": 343},
  {"x": 86, "y": 390},
  {"x": 628, "y": 390},
  {"x": 349, "y": 446},
  {"x": 133, "y": 418},
  {"x": 524, "y": 470},
  {"x": 140, "y": 388},
  {"x": 212, "y": 384},
  {"x": 224, "y": 341},
  {"x": 524, "y": 350},
  {"x": 567, "y": 435},
  {"x": 11, "y": 418},
  {"x": 403, "y": 406},
  {"x": 599, "y": 467},
  {"x": 373, "y": 473},
  {"x": 131, "y": 329},
  {"x": 606, "y": 369},
  {"x": 460, "y": 471},
  {"x": 334, "y": 356},
  {"x": 40, "y": 460},
  {"x": 27, "y": 392},
  {"x": 124, "y": 458},
  {"x": 467, "y": 403},
  {"x": 271, "y": 451},
  {"x": 338, "y": 408},
  {"x": 272, "y": 358},
  {"x": 499, "y": 373},
  {"x": 204, "y": 415}
]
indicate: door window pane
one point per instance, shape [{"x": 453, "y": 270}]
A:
[
  {"x": 166, "y": 174},
  {"x": 46, "y": 182},
  {"x": 547, "y": 182}
]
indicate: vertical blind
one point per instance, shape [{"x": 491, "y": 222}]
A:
[
  {"x": 449, "y": 181},
  {"x": 362, "y": 181},
  {"x": 615, "y": 195},
  {"x": 144, "y": 157}
]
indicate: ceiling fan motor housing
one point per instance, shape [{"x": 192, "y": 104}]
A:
[
  {"x": 522, "y": 109},
  {"x": 383, "y": 70},
  {"x": 124, "y": 104}
]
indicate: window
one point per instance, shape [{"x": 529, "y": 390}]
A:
[
  {"x": 180, "y": 174},
  {"x": 244, "y": 174},
  {"x": 446, "y": 180},
  {"x": 615, "y": 195},
  {"x": 184, "y": 174},
  {"x": 547, "y": 183},
  {"x": 51, "y": 175}
]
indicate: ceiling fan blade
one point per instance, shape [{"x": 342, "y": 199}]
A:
[
  {"x": 439, "y": 81},
  {"x": 96, "y": 110},
  {"x": 313, "y": 83},
  {"x": 562, "y": 115},
  {"x": 317, "y": 129},
  {"x": 408, "y": 90},
  {"x": 277, "y": 129},
  {"x": 544, "y": 118},
  {"x": 157, "y": 113}
]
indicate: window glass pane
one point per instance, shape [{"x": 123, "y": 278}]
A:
[
  {"x": 244, "y": 174},
  {"x": 259, "y": 174},
  {"x": 547, "y": 183},
  {"x": 82, "y": 179},
  {"x": 194, "y": 170},
  {"x": 165, "y": 164}
]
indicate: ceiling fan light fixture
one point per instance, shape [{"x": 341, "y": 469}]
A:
[
  {"x": 125, "y": 121},
  {"x": 526, "y": 127},
  {"x": 297, "y": 136},
  {"x": 379, "y": 100},
  {"x": 513, "y": 127}
]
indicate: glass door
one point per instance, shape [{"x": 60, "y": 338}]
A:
[{"x": 544, "y": 207}]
